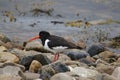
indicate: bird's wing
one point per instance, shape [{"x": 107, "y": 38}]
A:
[{"x": 59, "y": 41}]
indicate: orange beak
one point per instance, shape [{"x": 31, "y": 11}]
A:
[{"x": 34, "y": 38}]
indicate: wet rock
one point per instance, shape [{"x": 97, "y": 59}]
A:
[
  {"x": 31, "y": 76},
  {"x": 8, "y": 57},
  {"x": 2, "y": 49},
  {"x": 61, "y": 76},
  {"x": 96, "y": 49},
  {"x": 47, "y": 71},
  {"x": 42, "y": 59},
  {"x": 116, "y": 73},
  {"x": 108, "y": 56},
  {"x": 4, "y": 38},
  {"x": 76, "y": 54},
  {"x": 35, "y": 65},
  {"x": 83, "y": 72},
  {"x": 10, "y": 71},
  {"x": 35, "y": 45},
  {"x": 102, "y": 68}
]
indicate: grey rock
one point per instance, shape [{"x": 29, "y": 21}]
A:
[
  {"x": 42, "y": 59},
  {"x": 76, "y": 54},
  {"x": 22, "y": 53},
  {"x": 96, "y": 49},
  {"x": 83, "y": 72},
  {"x": 108, "y": 77},
  {"x": 11, "y": 72},
  {"x": 31, "y": 76},
  {"x": 61, "y": 76},
  {"x": 47, "y": 71},
  {"x": 35, "y": 45},
  {"x": 116, "y": 73}
]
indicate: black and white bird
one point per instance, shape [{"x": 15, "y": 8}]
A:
[{"x": 54, "y": 43}]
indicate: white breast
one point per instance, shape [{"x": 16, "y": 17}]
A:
[
  {"x": 46, "y": 46},
  {"x": 55, "y": 49}
]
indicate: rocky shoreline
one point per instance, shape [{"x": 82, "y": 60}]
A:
[{"x": 33, "y": 62}]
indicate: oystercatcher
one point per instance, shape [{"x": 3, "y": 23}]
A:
[{"x": 54, "y": 43}]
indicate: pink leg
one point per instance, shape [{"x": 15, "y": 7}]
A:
[{"x": 56, "y": 57}]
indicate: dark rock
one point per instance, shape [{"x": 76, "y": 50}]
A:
[
  {"x": 57, "y": 22},
  {"x": 26, "y": 61},
  {"x": 76, "y": 54},
  {"x": 47, "y": 71},
  {"x": 42, "y": 59},
  {"x": 96, "y": 49}
]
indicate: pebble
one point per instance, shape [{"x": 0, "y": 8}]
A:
[{"x": 34, "y": 66}]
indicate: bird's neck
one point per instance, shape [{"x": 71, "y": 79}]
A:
[{"x": 43, "y": 41}]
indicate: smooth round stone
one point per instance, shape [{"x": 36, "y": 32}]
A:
[
  {"x": 76, "y": 54},
  {"x": 61, "y": 76},
  {"x": 96, "y": 49}
]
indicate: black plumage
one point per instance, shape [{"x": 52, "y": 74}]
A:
[{"x": 56, "y": 41}]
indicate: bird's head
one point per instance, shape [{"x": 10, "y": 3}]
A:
[{"x": 42, "y": 35}]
